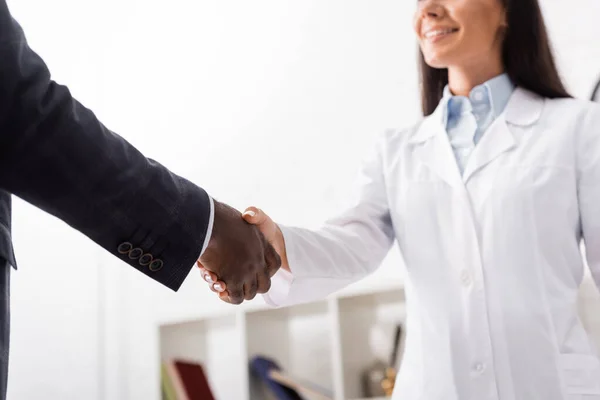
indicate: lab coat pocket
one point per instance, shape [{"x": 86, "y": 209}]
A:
[{"x": 580, "y": 374}]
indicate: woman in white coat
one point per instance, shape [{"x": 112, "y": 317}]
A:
[{"x": 488, "y": 198}]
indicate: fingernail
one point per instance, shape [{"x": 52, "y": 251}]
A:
[
  {"x": 218, "y": 287},
  {"x": 208, "y": 278},
  {"x": 250, "y": 213}
]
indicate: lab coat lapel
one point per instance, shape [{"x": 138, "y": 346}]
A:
[
  {"x": 432, "y": 147},
  {"x": 496, "y": 141},
  {"x": 523, "y": 109}
]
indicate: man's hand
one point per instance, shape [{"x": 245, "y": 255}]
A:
[
  {"x": 270, "y": 231},
  {"x": 239, "y": 255}
]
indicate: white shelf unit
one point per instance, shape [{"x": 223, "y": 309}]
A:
[
  {"x": 329, "y": 342},
  {"x": 214, "y": 342},
  {"x": 366, "y": 326}
]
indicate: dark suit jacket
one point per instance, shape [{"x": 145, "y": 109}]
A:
[{"x": 56, "y": 155}]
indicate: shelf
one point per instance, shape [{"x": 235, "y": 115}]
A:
[
  {"x": 367, "y": 327},
  {"x": 216, "y": 343},
  {"x": 328, "y": 342},
  {"x": 297, "y": 337},
  {"x": 373, "y": 398}
]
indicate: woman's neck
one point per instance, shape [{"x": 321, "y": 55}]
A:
[{"x": 462, "y": 80}]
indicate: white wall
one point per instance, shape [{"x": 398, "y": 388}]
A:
[
  {"x": 55, "y": 338},
  {"x": 264, "y": 102}
]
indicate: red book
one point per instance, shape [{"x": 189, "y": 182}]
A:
[{"x": 194, "y": 381}]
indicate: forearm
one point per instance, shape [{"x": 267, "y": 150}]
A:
[{"x": 323, "y": 262}]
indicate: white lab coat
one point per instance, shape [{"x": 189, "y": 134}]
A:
[{"x": 493, "y": 256}]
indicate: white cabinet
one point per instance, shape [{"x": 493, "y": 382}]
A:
[{"x": 328, "y": 342}]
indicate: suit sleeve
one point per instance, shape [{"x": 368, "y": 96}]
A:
[
  {"x": 588, "y": 186},
  {"x": 347, "y": 248},
  {"x": 56, "y": 155}
]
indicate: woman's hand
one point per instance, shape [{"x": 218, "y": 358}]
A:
[{"x": 272, "y": 233}]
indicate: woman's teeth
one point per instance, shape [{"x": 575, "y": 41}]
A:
[{"x": 439, "y": 32}]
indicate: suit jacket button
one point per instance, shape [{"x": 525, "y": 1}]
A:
[
  {"x": 135, "y": 253},
  {"x": 156, "y": 265},
  {"x": 146, "y": 259},
  {"x": 124, "y": 248}
]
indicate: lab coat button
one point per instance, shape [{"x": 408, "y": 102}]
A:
[
  {"x": 465, "y": 277},
  {"x": 479, "y": 367}
]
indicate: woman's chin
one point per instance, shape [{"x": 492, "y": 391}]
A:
[{"x": 437, "y": 62}]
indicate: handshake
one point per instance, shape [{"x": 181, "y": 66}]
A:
[{"x": 243, "y": 253}]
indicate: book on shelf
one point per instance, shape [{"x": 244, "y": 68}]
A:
[
  {"x": 285, "y": 386},
  {"x": 184, "y": 380},
  {"x": 168, "y": 386},
  {"x": 304, "y": 387}
]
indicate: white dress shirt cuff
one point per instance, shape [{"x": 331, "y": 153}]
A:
[{"x": 211, "y": 221}]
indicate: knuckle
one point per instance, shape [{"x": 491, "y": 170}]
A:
[
  {"x": 267, "y": 274},
  {"x": 264, "y": 284},
  {"x": 251, "y": 291},
  {"x": 267, "y": 286},
  {"x": 237, "y": 300},
  {"x": 236, "y": 296}
]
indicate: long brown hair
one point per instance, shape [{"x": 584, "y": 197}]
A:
[{"x": 526, "y": 53}]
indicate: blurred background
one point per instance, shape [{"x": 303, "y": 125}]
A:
[{"x": 269, "y": 103}]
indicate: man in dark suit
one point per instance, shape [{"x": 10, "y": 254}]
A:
[{"x": 56, "y": 155}]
